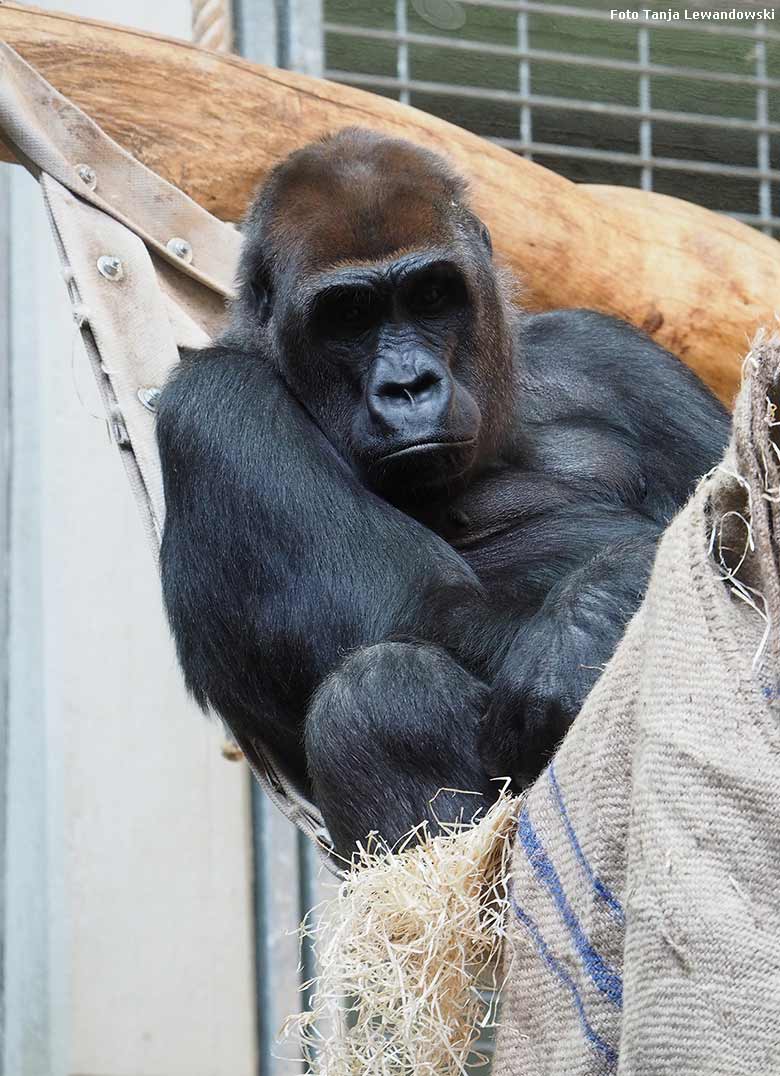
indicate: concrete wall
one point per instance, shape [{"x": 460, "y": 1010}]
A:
[{"x": 128, "y": 912}]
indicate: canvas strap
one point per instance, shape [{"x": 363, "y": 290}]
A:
[{"x": 147, "y": 271}]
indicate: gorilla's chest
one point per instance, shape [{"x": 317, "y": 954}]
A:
[{"x": 520, "y": 530}]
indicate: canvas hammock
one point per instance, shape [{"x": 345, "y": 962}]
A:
[{"x": 645, "y": 922}]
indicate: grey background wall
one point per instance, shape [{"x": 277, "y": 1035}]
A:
[{"x": 127, "y": 895}]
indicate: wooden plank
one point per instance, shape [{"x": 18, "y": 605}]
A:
[{"x": 215, "y": 124}]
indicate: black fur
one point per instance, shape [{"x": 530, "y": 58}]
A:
[{"x": 403, "y": 542}]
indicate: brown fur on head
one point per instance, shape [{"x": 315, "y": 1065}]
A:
[
  {"x": 359, "y": 214},
  {"x": 355, "y": 196}
]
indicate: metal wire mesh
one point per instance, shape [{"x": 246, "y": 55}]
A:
[{"x": 690, "y": 108}]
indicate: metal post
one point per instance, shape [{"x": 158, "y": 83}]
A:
[
  {"x": 645, "y": 124},
  {"x": 256, "y": 28},
  {"x": 524, "y": 86},
  {"x": 263, "y": 968},
  {"x": 762, "y": 138},
  {"x": 307, "y": 899},
  {"x": 302, "y": 41},
  {"x": 402, "y": 55},
  {"x": 28, "y": 983},
  {"x": 281, "y": 33},
  {"x": 5, "y": 574}
]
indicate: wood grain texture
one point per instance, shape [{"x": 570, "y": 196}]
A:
[{"x": 214, "y": 125}]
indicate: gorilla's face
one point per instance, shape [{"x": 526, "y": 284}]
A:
[
  {"x": 385, "y": 368},
  {"x": 377, "y": 292}
]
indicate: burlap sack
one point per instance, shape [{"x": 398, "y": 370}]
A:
[{"x": 645, "y": 934}]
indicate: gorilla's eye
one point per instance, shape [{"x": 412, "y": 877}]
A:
[
  {"x": 354, "y": 311},
  {"x": 349, "y": 311},
  {"x": 434, "y": 294},
  {"x": 430, "y": 295}
]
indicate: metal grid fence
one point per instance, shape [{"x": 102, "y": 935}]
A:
[{"x": 682, "y": 107}]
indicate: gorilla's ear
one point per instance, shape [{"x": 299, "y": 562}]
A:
[
  {"x": 484, "y": 234},
  {"x": 475, "y": 225},
  {"x": 261, "y": 291}
]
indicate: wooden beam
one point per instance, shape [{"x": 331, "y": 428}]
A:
[{"x": 215, "y": 124}]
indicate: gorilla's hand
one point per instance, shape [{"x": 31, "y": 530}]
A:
[
  {"x": 534, "y": 700},
  {"x": 557, "y": 656}
]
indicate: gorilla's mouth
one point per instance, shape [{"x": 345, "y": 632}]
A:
[
  {"x": 423, "y": 467},
  {"x": 423, "y": 448}
]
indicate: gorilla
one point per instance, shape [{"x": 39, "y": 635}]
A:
[{"x": 407, "y": 522}]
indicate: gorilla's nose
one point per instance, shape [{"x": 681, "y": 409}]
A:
[{"x": 413, "y": 398}]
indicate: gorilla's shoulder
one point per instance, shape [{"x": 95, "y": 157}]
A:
[
  {"x": 588, "y": 344},
  {"x": 609, "y": 364},
  {"x": 576, "y": 327}
]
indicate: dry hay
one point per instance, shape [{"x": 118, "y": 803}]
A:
[
  {"x": 732, "y": 543},
  {"x": 403, "y": 950}
]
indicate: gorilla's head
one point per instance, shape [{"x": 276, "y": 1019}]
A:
[{"x": 370, "y": 282}]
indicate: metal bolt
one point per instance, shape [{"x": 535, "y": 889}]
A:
[
  {"x": 110, "y": 267},
  {"x": 87, "y": 175},
  {"x": 119, "y": 430},
  {"x": 231, "y": 751},
  {"x": 149, "y": 397},
  {"x": 180, "y": 249}
]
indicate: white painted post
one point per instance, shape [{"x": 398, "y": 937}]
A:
[{"x": 127, "y": 913}]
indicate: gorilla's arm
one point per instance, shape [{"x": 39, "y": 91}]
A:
[
  {"x": 659, "y": 427},
  {"x": 629, "y": 430},
  {"x": 277, "y": 564},
  {"x": 558, "y": 653}
]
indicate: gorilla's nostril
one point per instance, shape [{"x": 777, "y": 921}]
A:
[
  {"x": 425, "y": 382},
  {"x": 391, "y": 391},
  {"x": 408, "y": 391}
]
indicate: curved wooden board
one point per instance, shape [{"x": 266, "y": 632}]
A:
[
  {"x": 214, "y": 125},
  {"x": 708, "y": 267}
]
